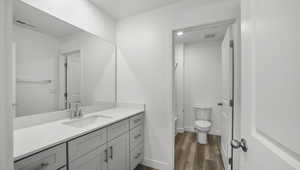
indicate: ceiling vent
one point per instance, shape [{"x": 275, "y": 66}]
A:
[
  {"x": 209, "y": 36},
  {"x": 24, "y": 23}
]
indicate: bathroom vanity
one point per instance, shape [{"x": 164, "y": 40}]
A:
[{"x": 112, "y": 139}]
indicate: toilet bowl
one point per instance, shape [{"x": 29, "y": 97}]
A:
[
  {"x": 202, "y": 122},
  {"x": 202, "y": 128}
]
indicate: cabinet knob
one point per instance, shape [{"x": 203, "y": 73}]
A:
[
  {"x": 137, "y": 156},
  {"x": 42, "y": 166},
  {"x": 136, "y": 120},
  {"x": 137, "y": 136},
  {"x": 111, "y": 153},
  {"x": 106, "y": 156}
]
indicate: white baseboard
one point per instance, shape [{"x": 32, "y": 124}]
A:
[
  {"x": 192, "y": 129},
  {"x": 189, "y": 129},
  {"x": 180, "y": 130},
  {"x": 155, "y": 164},
  {"x": 215, "y": 133}
]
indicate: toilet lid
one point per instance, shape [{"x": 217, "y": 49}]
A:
[{"x": 203, "y": 123}]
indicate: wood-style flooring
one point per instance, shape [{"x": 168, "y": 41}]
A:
[
  {"x": 142, "y": 167},
  {"x": 189, "y": 155}
]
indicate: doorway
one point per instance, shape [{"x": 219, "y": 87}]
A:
[
  {"x": 70, "y": 79},
  {"x": 204, "y": 81}
]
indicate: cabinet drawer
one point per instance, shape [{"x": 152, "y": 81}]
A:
[
  {"x": 87, "y": 143},
  {"x": 117, "y": 129},
  {"x": 95, "y": 160},
  {"x": 136, "y": 156},
  {"x": 136, "y": 120},
  {"x": 136, "y": 136},
  {"x": 51, "y": 159}
]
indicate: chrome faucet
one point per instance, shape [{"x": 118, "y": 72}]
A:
[{"x": 77, "y": 112}]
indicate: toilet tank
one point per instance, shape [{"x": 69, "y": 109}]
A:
[{"x": 202, "y": 112}]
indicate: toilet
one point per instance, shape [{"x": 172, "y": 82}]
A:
[{"x": 202, "y": 122}]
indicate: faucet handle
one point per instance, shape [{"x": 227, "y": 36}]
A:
[
  {"x": 74, "y": 109},
  {"x": 80, "y": 113},
  {"x": 76, "y": 106}
]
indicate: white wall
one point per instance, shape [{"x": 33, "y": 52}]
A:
[
  {"x": 80, "y": 13},
  {"x": 145, "y": 66},
  {"x": 6, "y": 142},
  {"x": 202, "y": 78},
  {"x": 36, "y": 59}
]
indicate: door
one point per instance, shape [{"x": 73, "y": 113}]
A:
[
  {"x": 95, "y": 160},
  {"x": 270, "y": 84},
  {"x": 227, "y": 98},
  {"x": 73, "y": 77},
  {"x": 118, "y": 151},
  {"x": 179, "y": 87}
]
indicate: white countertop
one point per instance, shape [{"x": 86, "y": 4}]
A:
[{"x": 28, "y": 141}]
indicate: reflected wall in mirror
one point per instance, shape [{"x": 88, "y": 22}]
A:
[{"x": 56, "y": 64}]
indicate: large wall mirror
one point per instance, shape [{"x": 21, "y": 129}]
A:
[{"x": 56, "y": 64}]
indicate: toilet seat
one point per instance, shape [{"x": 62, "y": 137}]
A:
[{"x": 203, "y": 125}]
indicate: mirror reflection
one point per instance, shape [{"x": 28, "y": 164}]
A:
[{"x": 57, "y": 65}]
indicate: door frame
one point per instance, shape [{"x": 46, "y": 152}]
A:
[
  {"x": 236, "y": 132},
  {"x": 62, "y": 59},
  {"x": 6, "y": 115}
]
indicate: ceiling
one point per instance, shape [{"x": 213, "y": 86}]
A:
[
  {"x": 42, "y": 21},
  {"x": 123, "y": 8},
  {"x": 213, "y": 33}
]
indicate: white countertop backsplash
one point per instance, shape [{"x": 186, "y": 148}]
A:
[{"x": 30, "y": 140}]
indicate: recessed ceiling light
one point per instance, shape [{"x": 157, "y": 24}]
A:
[{"x": 179, "y": 33}]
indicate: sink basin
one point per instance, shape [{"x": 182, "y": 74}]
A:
[{"x": 87, "y": 121}]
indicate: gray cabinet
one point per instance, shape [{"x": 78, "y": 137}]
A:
[
  {"x": 117, "y": 129},
  {"x": 85, "y": 144},
  {"x": 136, "y": 140},
  {"x": 51, "y": 159},
  {"x": 136, "y": 136},
  {"x": 95, "y": 160},
  {"x": 105, "y": 149},
  {"x": 136, "y": 156},
  {"x": 136, "y": 120},
  {"x": 116, "y": 147},
  {"x": 118, "y": 151}
]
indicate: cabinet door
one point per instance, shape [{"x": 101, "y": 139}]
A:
[
  {"x": 85, "y": 144},
  {"x": 118, "y": 151},
  {"x": 136, "y": 156},
  {"x": 136, "y": 136},
  {"x": 51, "y": 159},
  {"x": 117, "y": 129},
  {"x": 136, "y": 120},
  {"x": 95, "y": 160}
]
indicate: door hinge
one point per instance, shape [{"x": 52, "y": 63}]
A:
[
  {"x": 231, "y": 103},
  {"x": 230, "y": 161},
  {"x": 66, "y": 95},
  {"x": 231, "y": 43},
  {"x": 66, "y": 64}
]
